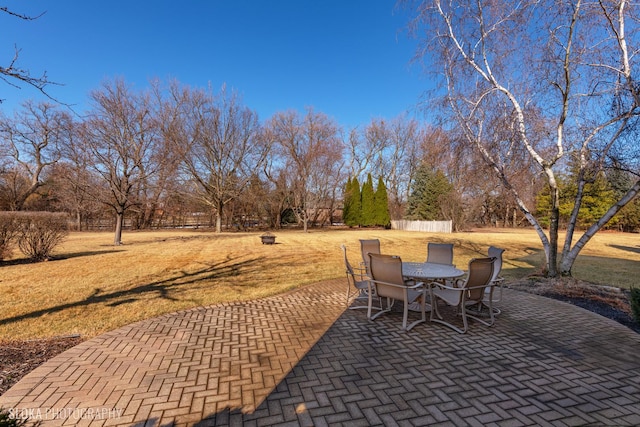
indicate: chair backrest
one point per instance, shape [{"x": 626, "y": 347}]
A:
[
  {"x": 479, "y": 276},
  {"x": 353, "y": 278},
  {"x": 440, "y": 253},
  {"x": 347, "y": 264},
  {"x": 387, "y": 268},
  {"x": 496, "y": 253},
  {"x": 370, "y": 246}
]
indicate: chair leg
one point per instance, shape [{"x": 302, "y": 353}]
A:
[
  {"x": 496, "y": 311},
  {"x": 405, "y": 314},
  {"x": 434, "y": 308},
  {"x": 465, "y": 323},
  {"x": 423, "y": 314},
  {"x": 362, "y": 295},
  {"x": 491, "y": 315},
  {"x": 390, "y": 303},
  {"x": 348, "y": 290}
]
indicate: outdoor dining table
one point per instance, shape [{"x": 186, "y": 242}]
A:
[
  {"x": 428, "y": 272},
  {"x": 423, "y": 271}
]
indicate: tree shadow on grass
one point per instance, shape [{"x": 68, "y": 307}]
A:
[
  {"x": 23, "y": 261},
  {"x": 533, "y": 259},
  {"x": 633, "y": 249},
  {"x": 163, "y": 288},
  {"x": 84, "y": 253}
]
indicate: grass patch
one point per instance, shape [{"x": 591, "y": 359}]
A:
[{"x": 91, "y": 286}]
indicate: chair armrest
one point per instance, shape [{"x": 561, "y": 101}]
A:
[
  {"x": 415, "y": 285},
  {"x": 457, "y": 288},
  {"x": 444, "y": 286},
  {"x": 360, "y": 271},
  {"x": 412, "y": 283},
  {"x": 397, "y": 285},
  {"x": 489, "y": 285}
]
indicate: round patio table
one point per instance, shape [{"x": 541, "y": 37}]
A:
[{"x": 430, "y": 271}]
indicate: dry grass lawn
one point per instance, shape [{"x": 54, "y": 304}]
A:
[{"x": 92, "y": 286}]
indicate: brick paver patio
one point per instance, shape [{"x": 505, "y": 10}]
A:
[{"x": 300, "y": 359}]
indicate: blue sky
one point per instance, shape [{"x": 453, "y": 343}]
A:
[{"x": 350, "y": 59}]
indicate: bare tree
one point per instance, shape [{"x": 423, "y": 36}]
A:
[
  {"x": 479, "y": 192},
  {"x": 278, "y": 176},
  {"x": 311, "y": 147},
  {"x": 387, "y": 149},
  {"x": 221, "y": 147},
  {"x": 398, "y": 159},
  {"x": 120, "y": 137},
  {"x": 542, "y": 77},
  {"x": 32, "y": 142},
  {"x": 158, "y": 175},
  {"x": 75, "y": 181}
]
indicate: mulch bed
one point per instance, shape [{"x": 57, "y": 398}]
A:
[
  {"x": 18, "y": 358},
  {"x": 606, "y": 301}
]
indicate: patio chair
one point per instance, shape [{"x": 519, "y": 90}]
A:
[
  {"x": 370, "y": 246},
  {"x": 497, "y": 281},
  {"x": 387, "y": 282},
  {"x": 440, "y": 253},
  {"x": 357, "y": 283},
  {"x": 465, "y": 292}
]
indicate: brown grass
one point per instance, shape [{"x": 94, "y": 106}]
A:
[{"x": 92, "y": 286}]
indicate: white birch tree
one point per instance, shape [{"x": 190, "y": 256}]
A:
[{"x": 548, "y": 78}]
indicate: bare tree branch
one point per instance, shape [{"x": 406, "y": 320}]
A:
[{"x": 14, "y": 75}]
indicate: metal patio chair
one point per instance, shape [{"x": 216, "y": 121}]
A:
[
  {"x": 464, "y": 293},
  {"x": 388, "y": 282}
]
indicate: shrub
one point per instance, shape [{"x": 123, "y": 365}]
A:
[
  {"x": 8, "y": 232},
  {"x": 634, "y": 299},
  {"x": 40, "y": 232}
]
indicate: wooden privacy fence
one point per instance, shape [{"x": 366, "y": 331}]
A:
[{"x": 428, "y": 226}]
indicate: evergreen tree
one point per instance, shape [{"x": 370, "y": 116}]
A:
[
  {"x": 368, "y": 206},
  {"x": 598, "y": 195},
  {"x": 355, "y": 206},
  {"x": 543, "y": 201},
  {"x": 429, "y": 188},
  {"x": 628, "y": 219},
  {"x": 347, "y": 204},
  {"x": 381, "y": 199}
]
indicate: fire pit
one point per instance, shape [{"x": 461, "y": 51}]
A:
[{"x": 268, "y": 239}]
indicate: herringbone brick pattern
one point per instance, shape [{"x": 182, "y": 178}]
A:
[{"x": 299, "y": 359}]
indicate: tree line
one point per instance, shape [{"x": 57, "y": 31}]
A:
[
  {"x": 160, "y": 156},
  {"x": 172, "y": 155}
]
